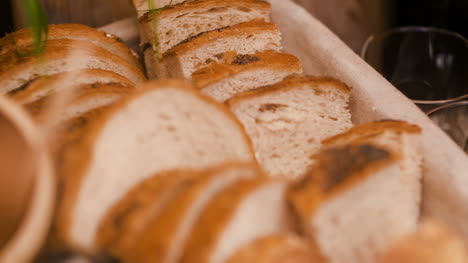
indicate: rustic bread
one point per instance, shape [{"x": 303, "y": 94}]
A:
[
  {"x": 353, "y": 203},
  {"x": 60, "y": 56},
  {"x": 168, "y": 125},
  {"x": 287, "y": 121},
  {"x": 172, "y": 25},
  {"x": 45, "y": 85},
  {"x": 432, "y": 243},
  {"x": 164, "y": 237},
  {"x": 196, "y": 52},
  {"x": 278, "y": 248},
  {"x": 244, "y": 72},
  {"x": 22, "y": 39},
  {"x": 245, "y": 211}
]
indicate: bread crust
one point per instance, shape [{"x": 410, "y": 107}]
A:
[
  {"x": 242, "y": 29},
  {"x": 336, "y": 170},
  {"x": 291, "y": 82},
  {"x": 23, "y": 38},
  {"x": 371, "y": 129},
  {"x": 216, "y": 72},
  {"x": 45, "y": 84},
  {"x": 77, "y": 156}
]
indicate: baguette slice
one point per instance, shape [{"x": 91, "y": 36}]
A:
[
  {"x": 287, "y": 121},
  {"x": 60, "y": 56},
  {"x": 196, "y": 52},
  {"x": 46, "y": 85},
  {"x": 22, "y": 39},
  {"x": 278, "y": 248},
  {"x": 193, "y": 17},
  {"x": 165, "y": 236},
  {"x": 353, "y": 203},
  {"x": 245, "y": 72},
  {"x": 168, "y": 125},
  {"x": 242, "y": 213},
  {"x": 432, "y": 243}
]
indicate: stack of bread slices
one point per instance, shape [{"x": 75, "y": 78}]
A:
[{"x": 246, "y": 160}]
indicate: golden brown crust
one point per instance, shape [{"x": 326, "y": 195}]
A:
[
  {"x": 215, "y": 72},
  {"x": 45, "y": 85},
  {"x": 214, "y": 218},
  {"x": 21, "y": 39},
  {"x": 190, "y": 6},
  {"x": 61, "y": 51},
  {"x": 291, "y": 82},
  {"x": 371, "y": 129},
  {"x": 278, "y": 248},
  {"x": 242, "y": 29},
  {"x": 336, "y": 170},
  {"x": 79, "y": 152},
  {"x": 156, "y": 241}
]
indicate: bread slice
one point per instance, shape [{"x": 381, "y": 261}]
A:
[
  {"x": 244, "y": 72},
  {"x": 61, "y": 56},
  {"x": 245, "y": 211},
  {"x": 172, "y": 25},
  {"x": 45, "y": 85},
  {"x": 353, "y": 203},
  {"x": 164, "y": 237},
  {"x": 85, "y": 98},
  {"x": 432, "y": 243},
  {"x": 278, "y": 248},
  {"x": 196, "y": 52},
  {"x": 22, "y": 39},
  {"x": 288, "y": 120},
  {"x": 168, "y": 125}
]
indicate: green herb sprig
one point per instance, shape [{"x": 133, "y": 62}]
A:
[{"x": 36, "y": 20}]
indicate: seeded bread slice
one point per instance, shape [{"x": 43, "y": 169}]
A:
[
  {"x": 278, "y": 248},
  {"x": 196, "y": 52},
  {"x": 287, "y": 121},
  {"x": 165, "y": 236},
  {"x": 172, "y": 25},
  {"x": 45, "y": 85},
  {"x": 353, "y": 203},
  {"x": 243, "y": 212},
  {"x": 168, "y": 125},
  {"x": 61, "y": 56},
  {"x": 244, "y": 72},
  {"x": 22, "y": 39}
]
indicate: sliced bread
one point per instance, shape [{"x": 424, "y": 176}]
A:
[
  {"x": 245, "y": 211},
  {"x": 60, "y": 56},
  {"x": 278, "y": 248},
  {"x": 353, "y": 203},
  {"x": 45, "y": 85},
  {"x": 171, "y": 26},
  {"x": 432, "y": 243},
  {"x": 287, "y": 121},
  {"x": 168, "y": 125},
  {"x": 244, "y": 72},
  {"x": 164, "y": 237},
  {"x": 22, "y": 39},
  {"x": 197, "y": 51}
]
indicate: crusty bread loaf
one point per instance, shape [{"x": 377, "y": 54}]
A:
[
  {"x": 354, "y": 204},
  {"x": 167, "y": 125},
  {"x": 60, "y": 56},
  {"x": 244, "y": 72},
  {"x": 245, "y": 211},
  {"x": 164, "y": 237},
  {"x": 172, "y": 25},
  {"x": 22, "y": 39},
  {"x": 287, "y": 121},
  {"x": 432, "y": 243},
  {"x": 278, "y": 248},
  {"x": 196, "y": 52},
  {"x": 45, "y": 85}
]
